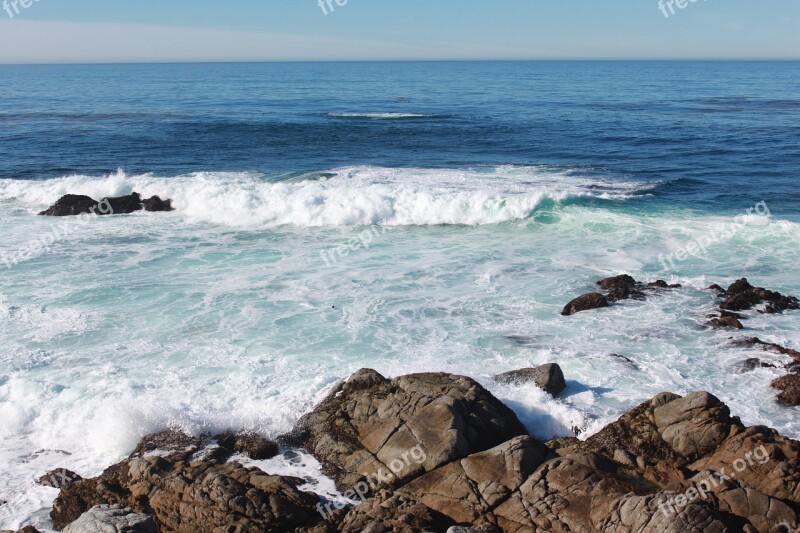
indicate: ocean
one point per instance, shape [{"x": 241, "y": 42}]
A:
[{"x": 405, "y": 217}]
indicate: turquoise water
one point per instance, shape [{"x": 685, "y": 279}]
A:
[{"x": 317, "y": 235}]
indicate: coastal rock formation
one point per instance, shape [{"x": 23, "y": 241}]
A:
[
  {"x": 789, "y": 387},
  {"x": 671, "y": 464},
  {"x": 185, "y": 483},
  {"x": 112, "y": 518},
  {"x": 593, "y": 300},
  {"x": 617, "y": 288},
  {"x": 726, "y": 322},
  {"x": 547, "y": 377},
  {"x": 72, "y": 204},
  {"x": 741, "y": 296},
  {"x": 394, "y": 430},
  {"x": 69, "y": 205},
  {"x": 392, "y": 512}
]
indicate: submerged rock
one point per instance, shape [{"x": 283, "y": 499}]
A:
[{"x": 547, "y": 377}]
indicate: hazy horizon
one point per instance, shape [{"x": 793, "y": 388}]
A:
[{"x": 91, "y": 31}]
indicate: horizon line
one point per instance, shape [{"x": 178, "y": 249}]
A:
[{"x": 498, "y": 60}]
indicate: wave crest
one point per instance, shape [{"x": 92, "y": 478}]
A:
[{"x": 353, "y": 196}]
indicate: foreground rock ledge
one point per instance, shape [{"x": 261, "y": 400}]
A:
[{"x": 672, "y": 464}]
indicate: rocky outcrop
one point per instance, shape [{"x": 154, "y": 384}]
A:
[
  {"x": 72, "y": 204},
  {"x": 789, "y": 387},
  {"x": 392, "y": 512},
  {"x": 112, "y": 519},
  {"x": 467, "y": 490},
  {"x": 593, "y": 300},
  {"x": 186, "y": 485},
  {"x": 547, "y": 377},
  {"x": 391, "y": 431},
  {"x": 617, "y": 288},
  {"x": 724, "y": 322},
  {"x": 742, "y": 296},
  {"x": 671, "y": 464}
]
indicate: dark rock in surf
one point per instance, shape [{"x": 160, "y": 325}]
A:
[
  {"x": 753, "y": 342},
  {"x": 593, "y": 300},
  {"x": 741, "y": 296},
  {"x": 622, "y": 287},
  {"x": 547, "y": 377},
  {"x": 71, "y": 205},
  {"x": 155, "y": 203},
  {"x": 121, "y": 205},
  {"x": 748, "y": 365},
  {"x": 726, "y": 322}
]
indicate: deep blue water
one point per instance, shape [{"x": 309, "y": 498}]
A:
[{"x": 721, "y": 135}]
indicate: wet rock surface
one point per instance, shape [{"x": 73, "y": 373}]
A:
[
  {"x": 674, "y": 463},
  {"x": 549, "y": 378},
  {"x": 617, "y": 288},
  {"x": 74, "y": 204}
]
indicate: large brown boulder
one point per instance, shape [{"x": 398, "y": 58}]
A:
[{"x": 391, "y": 431}]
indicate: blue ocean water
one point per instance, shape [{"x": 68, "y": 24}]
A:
[{"x": 400, "y": 216}]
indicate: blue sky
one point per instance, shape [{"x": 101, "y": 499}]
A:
[{"x": 253, "y": 30}]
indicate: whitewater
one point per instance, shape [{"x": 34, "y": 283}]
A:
[{"x": 224, "y": 314}]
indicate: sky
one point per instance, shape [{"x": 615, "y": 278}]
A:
[{"x": 90, "y": 31}]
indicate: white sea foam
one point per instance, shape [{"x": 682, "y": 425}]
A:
[
  {"x": 380, "y": 116},
  {"x": 356, "y": 196}
]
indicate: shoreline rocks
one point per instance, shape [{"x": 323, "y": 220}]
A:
[
  {"x": 674, "y": 463},
  {"x": 74, "y": 204}
]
